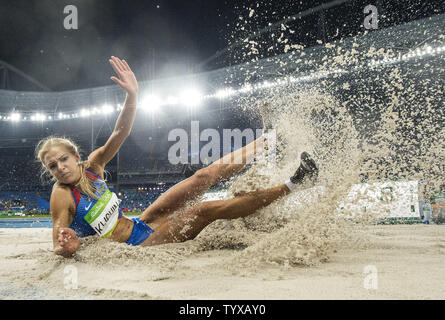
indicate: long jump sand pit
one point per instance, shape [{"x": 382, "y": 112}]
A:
[{"x": 389, "y": 262}]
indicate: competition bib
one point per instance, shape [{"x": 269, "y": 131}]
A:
[{"x": 104, "y": 215}]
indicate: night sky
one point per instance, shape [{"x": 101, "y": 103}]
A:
[
  {"x": 159, "y": 38},
  {"x": 35, "y": 40}
]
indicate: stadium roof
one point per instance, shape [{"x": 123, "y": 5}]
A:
[{"x": 409, "y": 41}]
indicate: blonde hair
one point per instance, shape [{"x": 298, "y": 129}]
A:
[{"x": 84, "y": 185}]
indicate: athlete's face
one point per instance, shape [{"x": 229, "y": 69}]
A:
[{"x": 63, "y": 165}]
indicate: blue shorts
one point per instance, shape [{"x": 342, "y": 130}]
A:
[{"x": 140, "y": 232}]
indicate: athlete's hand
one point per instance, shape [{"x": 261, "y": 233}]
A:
[
  {"x": 68, "y": 240},
  {"x": 127, "y": 79}
]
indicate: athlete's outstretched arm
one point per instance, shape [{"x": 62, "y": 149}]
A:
[
  {"x": 127, "y": 81},
  {"x": 64, "y": 239}
]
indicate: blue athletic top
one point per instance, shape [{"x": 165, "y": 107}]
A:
[
  {"x": 140, "y": 231},
  {"x": 84, "y": 204}
]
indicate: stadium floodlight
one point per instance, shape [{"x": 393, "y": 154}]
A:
[
  {"x": 61, "y": 115},
  {"x": 266, "y": 84},
  {"x": 14, "y": 117},
  {"x": 246, "y": 88},
  {"x": 417, "y": 53},
  {"x": 85, "y": 112},
  {"x": 224, "y": 93},
  {"x": 191, "y": 97},
  {"x": 38, "y": 117},
  {"x": 107, "y": 109},
  {"x": 151, "y": 103}
]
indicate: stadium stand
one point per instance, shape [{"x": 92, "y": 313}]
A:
[{"x": 142, "y": 180}]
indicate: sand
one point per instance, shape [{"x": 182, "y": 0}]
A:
[{"x": 408, "y": 260}]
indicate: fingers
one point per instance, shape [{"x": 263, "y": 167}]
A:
[
  {"x": 117, "y": 81},
  {"x": 64, "y": 237},
  {"x": 126, "y": 65},
  {"x": 125, "y": 77},
  {"x": 115, "y": 66},
  {"x": 118, "y": 62},
  {"x": 119, "y": 66}
]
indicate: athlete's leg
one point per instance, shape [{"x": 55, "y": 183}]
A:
[
  {"x": 195, "y": 186},
  {"x": 190, "y": 223}
]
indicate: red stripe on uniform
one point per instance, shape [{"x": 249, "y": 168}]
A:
[
  {"x": 92, "y": 176},
  {"x": 76, "y": 194}
]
